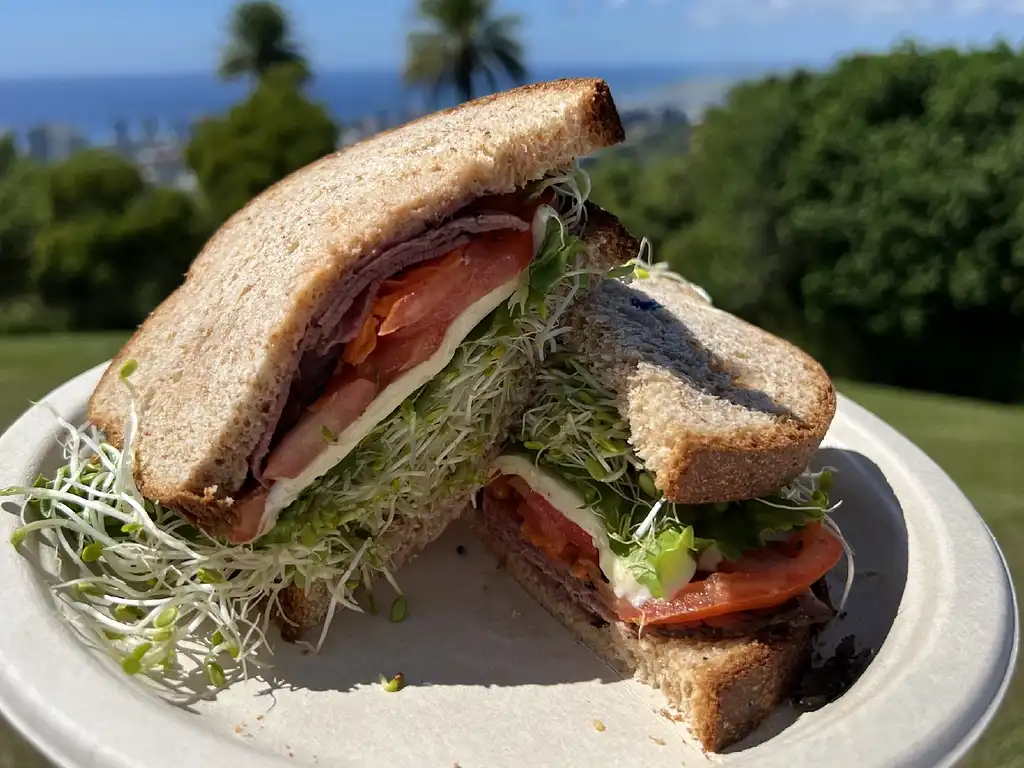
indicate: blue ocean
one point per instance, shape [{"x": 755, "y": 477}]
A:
[{"x": 94, "y": 104}]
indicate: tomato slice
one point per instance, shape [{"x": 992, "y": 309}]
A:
[
  {"x": 460, "y": 279},
  {"x": 249, "y": 511},
  {"x": 760, "y": 579},
  {"x": 357, "y": 350},
  {"x": 433, "y": 293},
  {"x": 342, "y": 405},
  {"x": 547, "y": 527},
  {"x": 397, "y": 353}
]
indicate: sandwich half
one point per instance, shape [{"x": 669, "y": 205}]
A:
[
  {"x": 325, "y": 391},
  {"x": 655, "y": 499}
]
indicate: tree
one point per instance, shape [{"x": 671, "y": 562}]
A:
[
  {"x": 8, "y": 153},
  {"x": 109, "y": 248},
  {"x": 274, "y": 132},
  {"x": 462, "y": 41},
  {"x": 874, "y": 213},
  {"x": 22, "y": 213},
  {"x": 260, "y": 40}
]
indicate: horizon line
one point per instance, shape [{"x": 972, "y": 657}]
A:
[{"x": 392, "y": 70}]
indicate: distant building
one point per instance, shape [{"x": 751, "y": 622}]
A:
[
  {"x": 150, "y": 130},
  {"x": 54, "y": 143},
  {"x": 161, "y": 163},
  {"x": 123, "y": 144}
]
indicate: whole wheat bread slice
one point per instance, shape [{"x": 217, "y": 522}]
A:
[
  {"x": 719, "y": 410},
  {"x": 214, "y": 356},
  {"x": 607, "y": 244},
  {"x": 722, "y": 688}
]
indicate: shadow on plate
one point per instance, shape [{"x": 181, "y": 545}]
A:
[
  {"x": 873, "y": 524},
  {"x": 469, "y": 623}
]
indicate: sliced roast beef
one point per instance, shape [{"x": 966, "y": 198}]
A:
[{"x": 346, "y": 309}]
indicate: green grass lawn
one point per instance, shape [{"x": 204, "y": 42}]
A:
[
  {"x": 980, "y": 445},
  {"x": 31, "y": 366}
]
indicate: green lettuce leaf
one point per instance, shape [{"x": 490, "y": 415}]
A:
[{"x": 662, "y": 562}]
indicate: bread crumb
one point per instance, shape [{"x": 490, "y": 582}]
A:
[
  {"x": 239, "y": 728},
  {"x": 516, "y": 613},
  {"x": 598, "y": 726},
  {"x": 675, "y": 717},
  {"x": 659, "y": 742}
]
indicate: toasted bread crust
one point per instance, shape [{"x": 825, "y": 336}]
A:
[
  {"x": 213, "y": 357},
  {"x": 606, "y": 126},
  {"x": 733, "y": 698},
  {"x": 719, "y": 410},
  {"x": 723, "y": 688}
]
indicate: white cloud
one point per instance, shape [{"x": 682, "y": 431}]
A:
[{"x": 714, "y": 12}]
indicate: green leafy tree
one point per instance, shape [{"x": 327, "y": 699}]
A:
[
  {"x": 874, "y": 213},
  {"x": 22, "y": 213},
  {"x": 274, "y": 132},
  {"x": 109, "y": 248},
  {"x": 460, "y": 42},
  {"x": 260, "y": 41},
  {"x": 8, "y": 153}
]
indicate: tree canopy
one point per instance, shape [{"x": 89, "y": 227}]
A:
[
  {"x": 274, "y": 132},
  {"x": 21, "y": 215},
  {"x": 259, "y": 40},
  {"x": 460, "y": 42},
  {"x": 86, "y": 245},
  {"x": 873, "y": 212},
  {"x": 109, "y": 248}
]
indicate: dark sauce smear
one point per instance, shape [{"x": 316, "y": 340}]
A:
[{"x": 827, "y": 679}]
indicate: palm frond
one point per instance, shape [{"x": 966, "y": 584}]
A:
[
  {"x": 235, "y": 62},
  {"x": 461, "y": 42},
  {"x": 260, "y": 41}
]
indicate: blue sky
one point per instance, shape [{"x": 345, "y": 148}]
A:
[{"x": 61, "y": 37}]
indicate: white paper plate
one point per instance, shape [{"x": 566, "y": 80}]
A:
[{"x": 494, "y": 681}]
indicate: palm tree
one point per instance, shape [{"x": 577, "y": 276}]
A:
[
  {"x": 260, "y": 40},
  {"x": 462, "y": 42}
]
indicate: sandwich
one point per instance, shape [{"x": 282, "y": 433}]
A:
[
  {"x": 656, "y": 499},
  {"x": 326, "y": 389}
]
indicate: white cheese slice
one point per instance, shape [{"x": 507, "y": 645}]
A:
[
  {"x": 570, "y": 503},
  {"x": 284, "y": 492}
]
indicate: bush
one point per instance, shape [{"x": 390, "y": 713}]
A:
[{"x": 102, "y": 247}]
